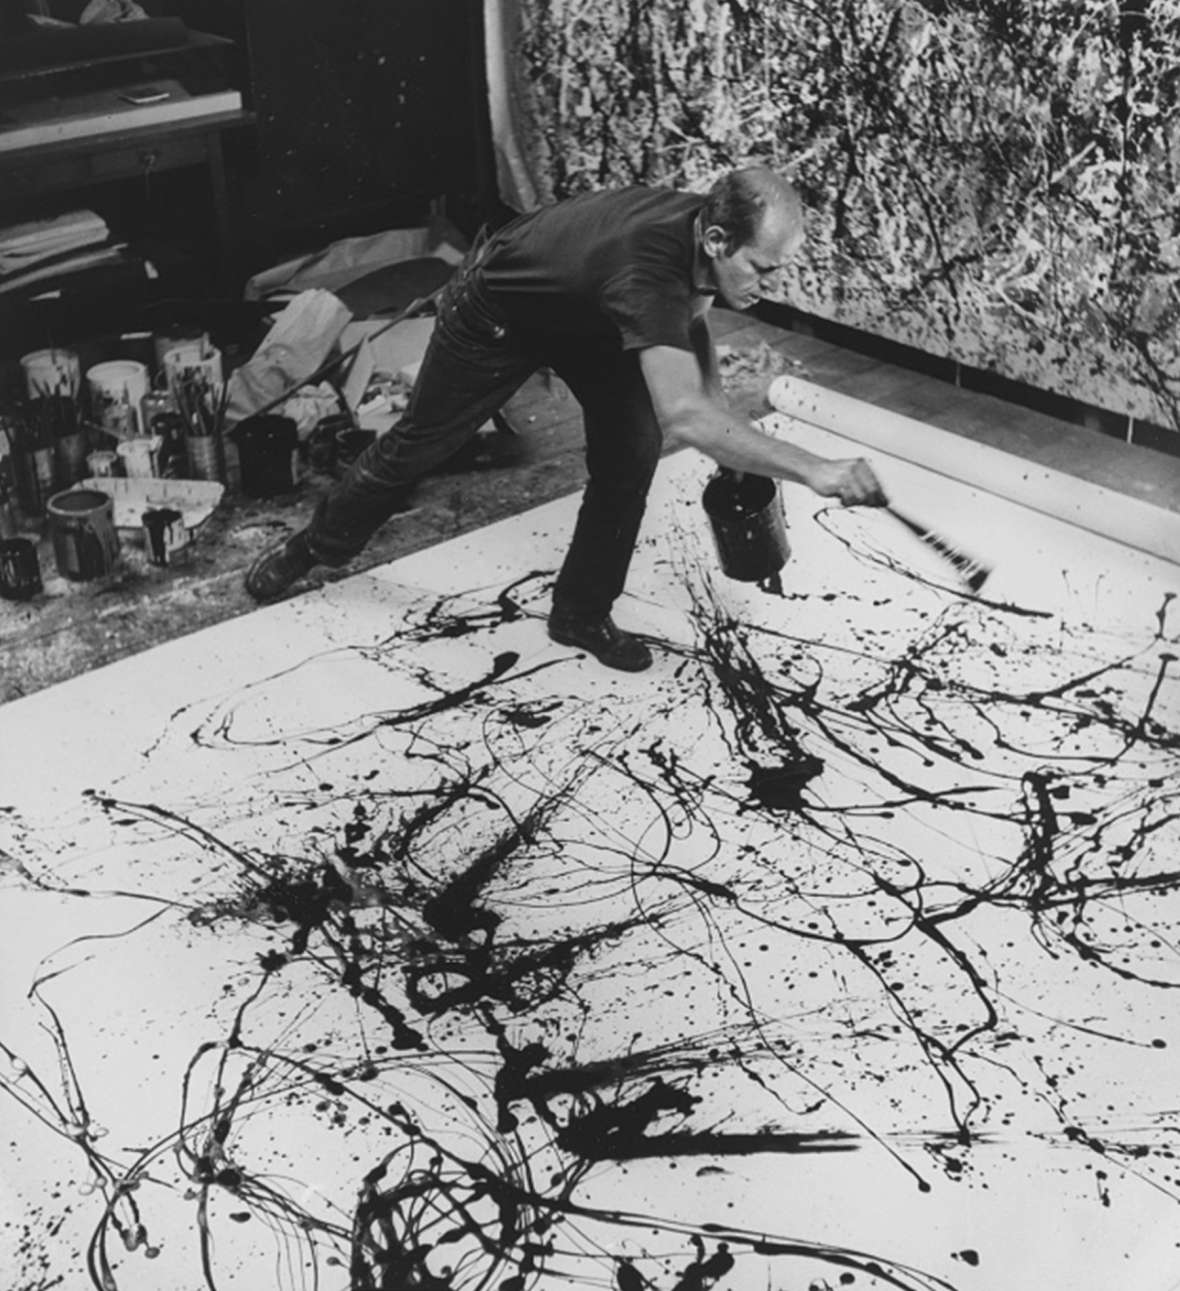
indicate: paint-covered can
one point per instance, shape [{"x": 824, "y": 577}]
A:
[
  {"x": 20, "y": 572},
  {"x": 749, "y": 531},
  {"x": 116, "y": 391},
  {"x": 82, "y": 527},
  {"x": 140, "y": 456},
  {"x": 102, "y": 463},
  {"x": 268, "y": 451},
  {"x": 321, "y": 444},
  {"x": 70, "y": 450},
  {"x": 51, "y": 372},
  {"x": 203, "y": 460},
  {"x": 164, "y": 533}
]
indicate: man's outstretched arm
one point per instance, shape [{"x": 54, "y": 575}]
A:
[{"x": 689, "y": 413}]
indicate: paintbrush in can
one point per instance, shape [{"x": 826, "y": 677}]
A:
[{"x": 970, "y": 569}]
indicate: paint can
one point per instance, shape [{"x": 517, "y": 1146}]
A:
[
  {"x": 140, "y": 456},
  {"x": 102, "y": 464},
  {"x": 749, "y": 531},
  {"x": 203, "y": 463},
  {"x": 50, "y": 372},
  {"x": 116, "y": 391},
  {"x": 20, "y": 572},
  {"x": 7, "y": 517},
  {"x": 267, "y": 449},
  {"x": 186, "y": 340},
  {"x": 71, "y": 456},
  {"x": 196, "y": 362},
  {"x": 321, "y": 445},
  {"x": 35, "y": 469},
  {"x": 82, "y": 527},
  {"x": 164, "y": 533}
]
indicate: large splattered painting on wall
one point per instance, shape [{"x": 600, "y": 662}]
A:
[
  {"x": 994, "y": 182},
  {"x": 373, "y": 941}
]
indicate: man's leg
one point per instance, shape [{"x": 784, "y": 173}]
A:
[
  {"x": 623, "y": 442},
  {"x": 471, "y": 367}
]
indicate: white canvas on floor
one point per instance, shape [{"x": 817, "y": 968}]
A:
[{"x": 373, "y": 940}]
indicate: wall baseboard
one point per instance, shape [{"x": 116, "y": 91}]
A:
[{"x": 1116, "y": 425}]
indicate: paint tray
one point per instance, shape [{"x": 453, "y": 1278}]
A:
[{"x": 132, "y": 496}]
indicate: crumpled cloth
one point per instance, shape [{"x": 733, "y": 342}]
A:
[{"x": 297, "y": 344}]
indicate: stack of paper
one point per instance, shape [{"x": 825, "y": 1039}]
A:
[
  {"x": 55, "y": 249},
  {"x": 24, "y": 245}
]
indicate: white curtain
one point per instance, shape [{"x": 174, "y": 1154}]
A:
[{"x": 518, "y": 185}]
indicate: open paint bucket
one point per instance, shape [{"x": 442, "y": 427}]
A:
[
  {"x": 749, "y": 531},
  {"x": 267, "y": 448},
  {"x": 82, "y": 527}
]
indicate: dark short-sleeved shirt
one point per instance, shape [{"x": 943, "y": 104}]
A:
[{"x": 613, "y": 264}]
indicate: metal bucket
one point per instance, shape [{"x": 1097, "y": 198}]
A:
[
  {"x": 85, "y": 540},
  {"x": 749, "y": 532}
]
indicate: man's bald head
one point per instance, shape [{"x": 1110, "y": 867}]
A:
[{"x": 742, "y": 203}]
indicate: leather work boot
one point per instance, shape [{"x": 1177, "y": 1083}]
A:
[
  {"x": 609, "y": 644},
  {"x": 278, "y": 567}
]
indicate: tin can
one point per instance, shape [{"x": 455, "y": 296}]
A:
[
  {"x": 102, "y": 464},
  {"x": 164, "y": 533},
  {"x": 20, "y": 571},
  {"x": 85, "y": 540}
]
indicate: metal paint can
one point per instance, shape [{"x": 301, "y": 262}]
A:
[
  {"x": 203, "y": 457},
  {"x": 50, "y": 372},
  {"x": 321, "y": 445},
  {"x": 267, "y": 449},
  {"x": 20, "y": 572},
  {"x": 164, "y": 533},
  {"x": 749, "y": 530},
  {"x": 187, "y": 342},
  {"x": 71, "y": 457},
  {"x": 140, "y": 456},
  {"x": 85, "y": 540},
  {"x": 102, "y": 463},
  {"x": 116, "y": 391},
  {"x": 38, "y": 479}
]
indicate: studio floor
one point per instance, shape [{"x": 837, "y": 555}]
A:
[
  {"x": 77, "y": 627},
  {"x": 371, "y": 939}
]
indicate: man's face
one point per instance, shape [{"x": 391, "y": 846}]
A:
[{"x": 745, "y": 274}]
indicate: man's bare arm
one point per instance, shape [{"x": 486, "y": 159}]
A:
[
  {"x": 706, "y": 352},
  {"x": 687, "y": 412}
]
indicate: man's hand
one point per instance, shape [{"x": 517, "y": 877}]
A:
[
  {"x": 688, "y": 414},
  {"x": 851, "y": 480}
]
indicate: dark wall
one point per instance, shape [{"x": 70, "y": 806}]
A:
[{"x": 367, "y": 110}]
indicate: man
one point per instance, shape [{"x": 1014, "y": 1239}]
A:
[{"x": 611, "y": 290}]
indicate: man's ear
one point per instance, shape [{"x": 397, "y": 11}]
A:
[{"x": 715, "y": 242}]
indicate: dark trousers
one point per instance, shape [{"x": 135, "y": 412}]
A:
[{"x": 473, "y": 364}]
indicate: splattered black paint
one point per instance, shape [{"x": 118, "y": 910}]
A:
[{"x": 500, "y": 905}]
